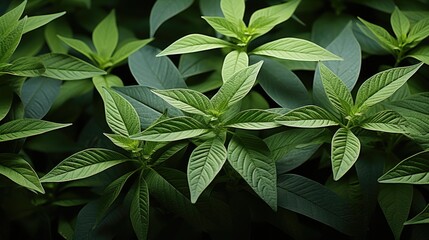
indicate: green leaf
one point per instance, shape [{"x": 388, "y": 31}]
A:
[
  {"x": 84, "y": 164},
  {"x": 18, "y": 170},
  {"x": 311, "y": 199},
  {"x": 172, "y": 129},
  {"x": 238, "y": 85},
  {"x": 194, "y": 43},
  {"x": 127, "y": 49},
  {"x": 106, "y": 81},
  {"x": 295, "y": 49},
  {"x": 105, "y": 36},
  {"x": 196, "y": 63},
  {"x": 38, "y": 21},
  {"x": 421, "y": 53},
  {"x": 154, "y": 72},
  {"x": 382, "y": 85},
  {"x": 204, "y": 164},
  {"x": 6, "y": 97},
  {"x": 345, "y": 150},
  {"x": 22, "y": 128},
  {"x": 10, "y": 40},
  {"x": 123, "y": 142},
  {"x": 337, "y": 92},
  {"x": 419, "y": 30},
  {"x": 38, "y": 95},
  {"x": 234, "y": 62},
  {"x": 263, "y": 20},
  {"x": 121, "y": 117},
  {"x": 24, "y": 66},
  {"x": 79, "y": 46},
  {"x": 250, "y": 157},
  {"x": 421, "y": 218},
  {"x": 224, "y": 26},
  {"x": 379, "y": 34},
  {"x": 386, "y": 121},
  {"x": 10, "y": 18},
  {"x": 395, "y": 201},
  {"x": 65, "y": 67},
  {"x": 139, "y": 210},
  {"x": 163, "y": 10},
  {"x": 186, "y": 100},
  {"x": 308, "y": 117},
  {"x": 253, "y": 119},
  {"x": 233, "y": 10},
  {"x": 400, "y": 24},
  {"x": 52, "y": 33},
  {"x": 412, "y": 170}
]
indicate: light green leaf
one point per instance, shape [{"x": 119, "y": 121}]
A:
[
  {"x": 395, "y": 201},
  {"x": 233, "y": 10},
  {"x": 400, "y": 24},
  {"x": 10, "y": 18},
  {"x": 52, "y": 32},
  {"x": 123, "y": 142},
  {"x": 382, "y": 85},
  {"x": 106, "y": 81},
  {"x": 204, "y": 164},
  {"x": 236, "y": 88},
  {"x": 379, "y": 34},
  {"x": 139, "y": 210},
  {"x": 263, "y": 20},
  {"x": 345, "y": 150},
  {"x": 295, "y": 49},
  {"x": 10, "y": 40},
  {"x": 224, "y": 26},
  {"x": 172, "y": 129},
  {"x": 84, "y": 164},
  {"x": 412, "y": 170},
  {"x": 79, "y": 46},
  {"x": 186, "y": 100},
  {"x": 421, "y": 218},
  {"x": 127, "y": 49},
  {"x": 65, "y": 67},
  {"x": 25, "y": 66},
  {"x": 234, "y": 62},
  {"x": 18, "y": 170},
  {"x": 421, "y": 53},
  {"x": 386, "y": 121},
  {"x": 250, "y": 157},
  {"x": 308, "y": 117},
  {"x": 38, "y": 21},
  {"x": 337, "y": 92},
  {"x": 163, "y": 10},
  {"x": 121, "y": 116},
  {"x": 194, "y": 43},
  {"x": 419, "y": 31},
  {"x": 6, "y": 97},
  {"x": 105, "y": 36},
  {"x": 253, "y": 119},
  {"x": 22, "y": 128}
]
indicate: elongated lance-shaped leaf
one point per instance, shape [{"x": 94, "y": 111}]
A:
[
  {"x": 236, "y": 87},
  {"x": 295, "y": 49},
  {"x": 263, "y": 20},
  {"x": 38, "y": 21},
  {"x": 9, "y": 19},
  {"x": 186, "y": 100},
  {"x": 123, "y": 141},
  {"x": 65, "y": 67},
  {"x": 6, "y": 97},
  {"x": 18, "y": 170},
  {"x": 224, "y": 26},
  {"x": 386, "y": 121},
  {"x": 233, "y": 10},
  {"x": 106, "y": 81},
  {"x": 345, "y": 150},
  {"x": 337, "y": 92},
  {"x": 10, "y": 40},
  {"x": 163, "y": 10},
  {"x": 194, "y": 43},
  {"x": 25, "y": 66},
  {"x": 380, "y": 35},
  {"x": 105, "y": 36},
  {"x": 22, "y": 128},
  {"x": 121, "y": 116},
  {"x": 382, "y": 85},
  {"x": 204, "y": 164},
  {"x": 253, "y": 119},
  {"x": 421, "y": 218},
  {"x": 234, "y": 62},
  {"x": 250, "y": 157},
  {"x": 419, "y": 31},
  {"x": 139, "y": 210},
  {"x": 421, "y": 53},
  {"x": 84, "y": 164},
  {"x": 412, "y": 170},
  {"x": 308, "y": 117},
  {"x": 400, "y": 24},
  {"x": 172, "y": 129},
  {"x": 127, "y": 49},
  {"x": 79, "y": 46}
]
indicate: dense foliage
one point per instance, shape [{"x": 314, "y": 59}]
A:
[{"x": 214, "y": 119}]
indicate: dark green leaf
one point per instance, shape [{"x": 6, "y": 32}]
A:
[
  {"x": 38, "y": 95},
  {"x": 139, "y": 210},
  {"x": 22, "y": 128},
  {"x": 163, "y": 10},
  {"x": 421, "y": 218}
]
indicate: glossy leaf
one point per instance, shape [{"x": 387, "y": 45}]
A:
[
  {"x": 105, "y": 36},
  {"x": 17, "y": 169},
  {"x": 194, "y": 43},
  {"x": 345, "y": 149},
  {"x": 204, "y": 164},
  {"x": 22, "y": 128},
  {"x": 84, "y": 164},
  {"x": 38, "y": 21},
  {"x": 308, "y": 117},
  {"x": 163, "y": 10},
  {"x": 233, "y": 10},
  {"x": 234, "y": 62},
  {"x": 400, "y": 24},
  {"x": 139, "y": 210},
  {"x": 253, "y": 119},
  {"x": 386, "y": 121}
]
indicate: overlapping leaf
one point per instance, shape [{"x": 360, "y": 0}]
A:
[
  {"x": 21, "y": 128},
  {"x": 308, "y": 117},
  {"x": 345, "y": 149}
]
